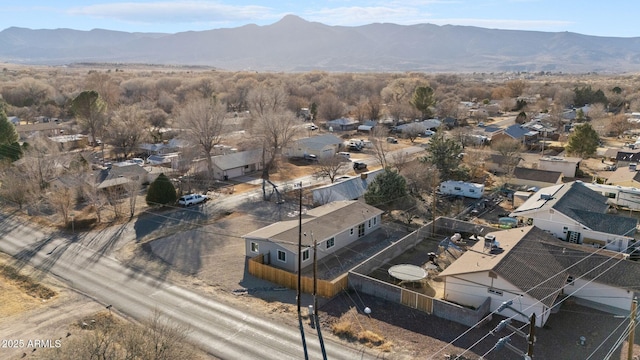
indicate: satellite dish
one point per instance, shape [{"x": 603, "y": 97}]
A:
[{"x": 367, "y": 310}]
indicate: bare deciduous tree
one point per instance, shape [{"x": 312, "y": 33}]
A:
[
  {"x": 41, "y": 161},
  {"x": 63, "y": 200},
  {"x": 378, "y": 138},
  {"x": 413, "y": 131},
  {"x": 15, "y": 188},
  {"x": 127, "y": 130},
  {"x": 330, "y": 107},
  {"x": 203, "y": 119},
  {"x": 95, "y": 196},
  {"x": 273, "y": 124},
  {"x": 511, "y": 150},
  {"x": 401, "y": 160},
  {"x": 331, "y": 167}
]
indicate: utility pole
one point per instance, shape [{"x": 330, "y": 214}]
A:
[
  {"x": 532, "y": 335},
  {"x": 316, "y": 320},
  {"x": 299, "y": 288},
  {"x": 632, "y": 328}
]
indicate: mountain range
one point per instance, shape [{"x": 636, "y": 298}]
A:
[{"x": 296, "y": 45}]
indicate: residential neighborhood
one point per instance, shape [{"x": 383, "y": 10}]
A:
[{"x": 495, "y": 207}]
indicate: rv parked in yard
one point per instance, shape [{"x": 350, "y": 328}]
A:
[{"x": 461, "y": 188}]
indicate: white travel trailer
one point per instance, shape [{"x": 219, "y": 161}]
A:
[{"x": 461, "y": 188}]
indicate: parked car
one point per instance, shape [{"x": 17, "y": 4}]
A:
[
  {"x": 310, "y": 157},
  {"x": 392, "y": 140},
  {"x": 192, "y": 199},
  {"x": 359, "y": 165},
  {"x": 312, "y": 127},
  {"x": 137, "y": 161},
  {"x": 355, "y": 148},
  {"x": 428, "y": 133},
  {"x": 344, "y": 154}
]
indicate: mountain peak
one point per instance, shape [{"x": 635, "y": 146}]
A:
[{"x": 291, "y": 19}]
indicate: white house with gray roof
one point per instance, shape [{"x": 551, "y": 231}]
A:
[
  {"x": 531, "y": 268},
  {"x": 333, "y": 226},
  {"x": 320, "y": 146},
  {"x": 346, "y": 189},
  {"x": 232, "y": 165},
  {"x": 574, "y": 213}
]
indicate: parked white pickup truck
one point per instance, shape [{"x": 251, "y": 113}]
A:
[{"x": 192, "y": 199}]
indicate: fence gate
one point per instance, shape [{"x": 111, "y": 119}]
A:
[{"x": 416, "y": 301}]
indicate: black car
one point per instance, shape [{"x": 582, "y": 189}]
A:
[{"x": 359, "y": 166}]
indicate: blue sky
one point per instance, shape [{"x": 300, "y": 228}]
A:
[{"x": 601, "y": 18}]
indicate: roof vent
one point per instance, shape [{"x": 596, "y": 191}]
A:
[
  {"x": 488, "y": 241},
  {"x": 546, "y": 197}
]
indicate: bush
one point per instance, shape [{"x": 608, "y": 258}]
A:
[{"x": 161, "y": 192}]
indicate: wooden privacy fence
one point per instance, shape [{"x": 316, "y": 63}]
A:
[
  {"x": 326, "y": 289},
  {"x": 417, "y": 301}
]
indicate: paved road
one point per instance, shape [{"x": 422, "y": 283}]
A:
[{"x": 220, "y": 330}]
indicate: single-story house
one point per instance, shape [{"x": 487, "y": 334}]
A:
[
  {"x": 320, "y": 146},
  {"x": 171, "y": 146},
  {"x": 450, "y": 122},
  {"x": 70, "y": 142},
  {"x": 367, "y": 126},
  {"x": 621, "y": 176},
  {"x": 333, "y": 226},
  {"x": 431, "y": 124},
  {"x": 237, "y": 164},
  {"x": 343, "y": 124},
  {"x": 47, "y": 129},
  {"x": 14, "y": 120},
  {"x": 535, "y": 177},
  {"x": 116, "y": 177},
  {"x": 566, "y": 165},
  {"x": 574, "y": 213},
  {"x": 625, "y": 157},
  {"x": 169, "y": 159},
  {"x": 517, "y": 132},
  {"x": 501, "y": 164},
  {"x": 536, "y": 271},
  {"x": 503, "y": 267},
  {"x": 348, "y": 189}
]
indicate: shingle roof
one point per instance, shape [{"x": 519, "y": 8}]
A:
[
  {"x": 324, "y": 221},
  {"x": 524, "y": 262},
  {"x": 576, "y": 196},
  {"x": 239, "y": 159},
  {"x": 319, "y": 142},
  {"x": 547, "y": 176},
  {"x": 599, "y": 265},
  {"x": 607, "y": 223},
  {"x": 349, "y": 189},
  {"x": 516, "y": 131},
  {"x": 628, "y": 155}
]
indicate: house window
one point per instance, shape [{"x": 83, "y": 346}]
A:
[
  {"x": 565, "y": 229},
  {"x": 361, "y": 230},
  {"x": 369, "y": 222},
  {"x": 494, "y": 291},
  {"x": 282, "y": 256},
  {"x": 374, "y": 220},
  {"x": 472, "y": 190},
  {"x": 330, "y": 243},
  {"x": 570, "y": 280},
  {"x": 457, "y": 188},
  {"x": 305, "y": 255},
  {"x": 254, "y": 247},
  {"x": 351, "y": 232}
]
